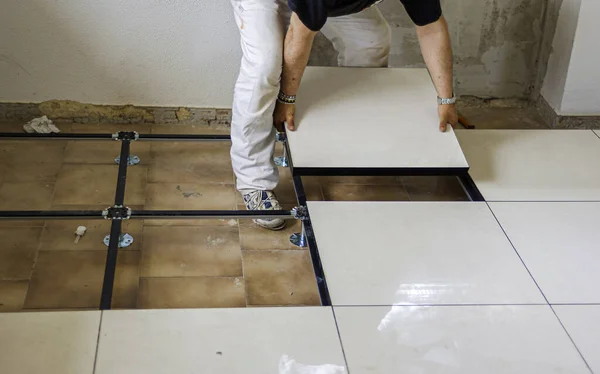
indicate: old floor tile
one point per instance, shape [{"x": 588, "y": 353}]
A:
[
  {"x": 350, "y": 192},
  {"x": 434, "y": 189},
  {"x": 18, "y": 247},
  {"x": 26, "y": 196},
  {"x": 12, "y": 295},
  {"x": 254, "y": 237},
  {"x": 189, "y": 196}
]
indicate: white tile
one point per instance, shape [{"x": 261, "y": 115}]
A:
[
  {"x": 534, "y": 165},
  {"x": 597, "y": 132},
  {"x": 48, "y": 342},
  {"x": 252, "y": 340},
  {"x": 456, "y": 340},
  {"x": 418, "y": 253},
  {"x": 356, "y": 117},
  {"x": 583, "y": 324},
  {"x": 560, "y": 245}
]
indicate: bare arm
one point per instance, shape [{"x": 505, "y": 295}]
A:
[
  {"x": 437, "y": 53},
  {"x": 296, "y": 51}
]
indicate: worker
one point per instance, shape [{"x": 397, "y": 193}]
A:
[{"x": 276, "y": 39}]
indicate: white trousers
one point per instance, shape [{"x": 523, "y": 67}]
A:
[{"x": 361, "y": 40}]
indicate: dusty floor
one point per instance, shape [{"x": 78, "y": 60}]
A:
[{"x": 171, "y": 264}]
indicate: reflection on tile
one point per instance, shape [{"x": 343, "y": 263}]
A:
[
  {"x": 191, "y": 292},
  {"x": 18, "y": 247},
  {"x": 456, "y": 340},
  {"x": 434, "y": 189},
  {"x": 232, "y": 341},
  {"x": 26, "y": 196},
  {"x": 73, "y": 279},
  {"x": 189, "y": 196},
  {"x": 349, "y": 192},
  {"x": 189, "y": 162},
  {"x": 60, "y": 235},
  {"x": 559, "y": 243},
  {"x": 99, "y": 186},
  {"x": 48, "y": 342},
  {"x": 583, "y": 324},
  {"x": 280, "y": 278},
  {"x": 414, "y": 253},
  {"x": 254, "y": 237},
  {"x": 12, "y": 295},
  {"x": 191, "y": 251}
]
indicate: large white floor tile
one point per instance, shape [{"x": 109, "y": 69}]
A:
[
  {"x": 49, "y": 343},
  {"x": 583, "y": 324},
  {"x": 418, "y": 253},
  {"x": 346, "y": 120},
  {"x": 456, "y": 340},
  {"x": 597, "y": 132},
  {"x": 560, "y": 245},
  {"x": 249, "y": 341},
  {"x": 534, "y": 165}
]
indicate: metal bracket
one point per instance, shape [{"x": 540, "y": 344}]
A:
[
  {"x": 131, "y": 160},
  {"x": 124, "y": 241},
  {"x": 117, "y": 212},
  {"x": 300, "y": 213},
  {"x": 281, "y": 160},
  {"x": 299, "y": 240},
  {"x": 126, "y": 135}
]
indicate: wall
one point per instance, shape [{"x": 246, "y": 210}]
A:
[
  {"x": 186, "y": 52},
  {"x": 143, "y": 52}
]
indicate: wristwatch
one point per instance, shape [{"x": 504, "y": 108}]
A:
[{"x": 447, "y": 101}]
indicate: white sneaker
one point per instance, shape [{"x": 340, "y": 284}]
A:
[{"x": 264, "y": 200}]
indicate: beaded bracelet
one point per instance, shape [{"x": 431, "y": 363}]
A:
[{"x": 286, "y": 99}]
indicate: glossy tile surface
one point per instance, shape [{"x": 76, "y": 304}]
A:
[
  {"x": 534, "y": 165},
  {"x": 456, "y": 340},
  {"x": 249, "y": 341},
  {"x": 560, "y": 245},
  {"x": 583, "y": 324},
  {"x": 347, "y": 104},
  {"x": 48, "y": 342},
  {"x": 418, "y": 253}
]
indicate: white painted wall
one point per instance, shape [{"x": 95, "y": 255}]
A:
[{"x": 142, "y": 52}]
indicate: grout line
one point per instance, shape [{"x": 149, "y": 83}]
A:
[
  {"x": 571, "y": 339},
  {"x": 337, "y": 327},
  {"x": 98, "y": 342},
  {"x": 430, "y": 305},
  {"x": 597, "y": 134}
]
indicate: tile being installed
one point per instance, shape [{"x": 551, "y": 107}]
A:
[
  {"x": 418, "y": 253},
  {"x": 48, "y": 342},
  {"x": 560, "y": 245},
  {"x": 456, "y": 340},
  {"x": 534, "y": 165},
  {"x": 253, "y": 340},
  {"x": 583, "y": 324}
]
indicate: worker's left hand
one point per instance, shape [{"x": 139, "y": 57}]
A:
[
  {"x": 284, "y": 113},
  {"x": 448, "y": 116}
]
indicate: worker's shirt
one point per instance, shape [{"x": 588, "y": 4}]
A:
[{"x": 314, "y": 13}]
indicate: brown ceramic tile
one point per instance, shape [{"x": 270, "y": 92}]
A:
[
  {"x": 73, "y": 279},
  {"x": 26, "y": 196},
  {"x": 189, "y": 196},
  {"x": 191, "y": 251},
  {"x": 18, "y": 247},
  {"x": 12, "y": 295},
  {"x": 60, "y": 235},
  {"x": 95, "y": 184},
  {"x": 191, "y": 162},
  {"x": 191, "y": 292},
  {"x": 254, "y": 237},
  {"x": 101, "y": 128},
  {"x": 434, "y": 189},
  {"x": 190, "y": 129},
  {"x": 103, "y": 152},
  {"x": 280, "y": 278},
  {"x": 32, "y": 152},
  {"x": 22, "y": 223},
  {"x": 361, "y": 180},
  {"x": 351, "y": 192},
  {"x": 30, "y": 172}
]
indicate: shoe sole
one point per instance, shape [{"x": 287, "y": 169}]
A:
[{"x": 272, "y": 228}]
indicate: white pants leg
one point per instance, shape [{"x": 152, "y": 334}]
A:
[
  {"x": 361, "y": 40},
  {"x": 262, "y": 25}
]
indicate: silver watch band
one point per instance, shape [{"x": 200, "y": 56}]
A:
[{"x": 447, "y": 101}]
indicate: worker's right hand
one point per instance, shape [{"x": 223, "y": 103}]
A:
[{"x": 284, "y": 115}]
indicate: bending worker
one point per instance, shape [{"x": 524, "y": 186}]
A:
[{"x": 275, "y": 57}]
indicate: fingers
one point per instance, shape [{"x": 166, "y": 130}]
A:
[
  {"x": 290, "y": 123},
  {"x": 443, "y": 126}
]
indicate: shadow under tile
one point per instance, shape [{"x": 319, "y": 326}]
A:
[
  {"x": 254, "y": 237},
  {"x": 286, "y": 194},
  {"x": 434, "y": 189},
  {"x": 12, "y": 295},
  {"x": 351, "y": 192},
  {"x": 18, "y": 248},
  {"x": 191, "y": 251},
  {"x": 189, "y": 196},
  {"x": 73, "y": 279},
  {"x": 191, "y": 292},
  {"x": 26, "y": 196},
  {"x": 280, "y": 278}
]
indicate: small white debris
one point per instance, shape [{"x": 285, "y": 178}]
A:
[
  {"x": 41, "y": 125},
  {"x": 79, "y": 232}
]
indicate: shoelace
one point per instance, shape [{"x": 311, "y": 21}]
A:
[{"x": 256, "y": 201}]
